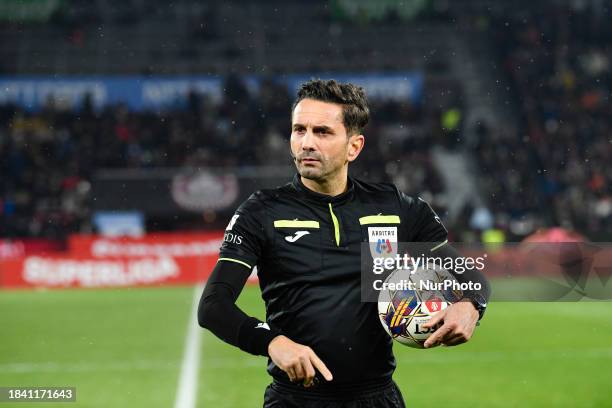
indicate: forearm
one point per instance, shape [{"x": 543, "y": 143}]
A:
[{"x": 218, "y": 312}]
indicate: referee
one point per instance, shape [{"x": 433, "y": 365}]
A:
[{"x": 325, "y": 346}]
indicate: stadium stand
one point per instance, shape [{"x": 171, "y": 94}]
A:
[
  {"x": 557, "y": 168},
  {"x": 541, "y": 153}
]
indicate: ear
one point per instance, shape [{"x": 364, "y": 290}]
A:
[{"x": 355, "y": 145}]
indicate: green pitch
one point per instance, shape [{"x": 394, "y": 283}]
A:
[{"x": 123, "y": 348}]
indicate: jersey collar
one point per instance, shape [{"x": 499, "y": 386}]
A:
[{"x": 323, "y": 198}]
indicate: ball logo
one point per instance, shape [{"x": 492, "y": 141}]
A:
[{"x": 434, "y": 304}]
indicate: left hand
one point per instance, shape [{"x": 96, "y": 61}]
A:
[{"x": 459, "y": 320}]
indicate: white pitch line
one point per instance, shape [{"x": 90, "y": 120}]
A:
[{"x": 188, "y": 380}]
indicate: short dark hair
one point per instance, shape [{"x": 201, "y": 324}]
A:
[{"x": 355, "y": 111}]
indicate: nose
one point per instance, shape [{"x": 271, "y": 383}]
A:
[{"x": 308, "y": 141}]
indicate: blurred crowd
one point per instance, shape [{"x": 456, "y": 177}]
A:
[
  {"x": 557, "y": 170},
  {"x": 48, "y": 158}
]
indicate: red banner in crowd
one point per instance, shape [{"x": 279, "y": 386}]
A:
[
  {"x": 151, "y": 245},
  {"x": 11, "y": 249},
  {"x": 95, "y": 261}
]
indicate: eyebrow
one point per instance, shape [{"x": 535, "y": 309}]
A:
[
  {"x": 316, "y": 128},
  {"x": 322, "y": 128}
]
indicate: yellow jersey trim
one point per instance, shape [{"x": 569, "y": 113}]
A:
[
  {"x": 336, "y": 225},
  {"x": 295, "y": 224},
  {"x": 379, "y": 219},
  {"x": 236, "y": 261}
]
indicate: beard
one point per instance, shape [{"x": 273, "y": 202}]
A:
[
  {"x": 319, "y": 170},
  {"x": 310, "y": 173},
  {"x": 313, "y": 171}
]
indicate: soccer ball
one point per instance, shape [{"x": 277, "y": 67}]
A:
[{"x": 409, "y": 299}]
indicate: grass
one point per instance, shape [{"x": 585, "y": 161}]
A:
[{"x": 123, "y": 348}]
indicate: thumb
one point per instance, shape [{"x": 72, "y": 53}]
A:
[{"x": 435, "y": 319}]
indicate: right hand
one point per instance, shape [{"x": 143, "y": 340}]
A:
[{"x": 297, "y": 360}]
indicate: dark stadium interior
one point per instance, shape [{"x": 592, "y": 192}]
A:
[{"x": 515, "y": 110}]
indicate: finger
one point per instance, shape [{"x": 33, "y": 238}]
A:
[
  {"x": 299, "y": 370},
  {"x": 435, "y": 319},
  {"x": 319, "y": 365},
  {"x": 454, "y": 340},
  {"x": 309, "y": 373},
  {"x": 458, "y": 336},
  {"x": 291, "y": 373},
  {"x": 438, "y": 335},
  {"x": 454, "y": 332}
]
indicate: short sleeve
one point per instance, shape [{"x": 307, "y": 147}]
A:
[
  {"x": 423, "y": 223},
  {"x": 244, "y": 236}
]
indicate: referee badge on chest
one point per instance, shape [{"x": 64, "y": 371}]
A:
[{"x": 383, "y": 241}]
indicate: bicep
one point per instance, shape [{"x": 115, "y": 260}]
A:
[
  {"x": 423, "y": 223},
  {"x": 227, "y": 279}
]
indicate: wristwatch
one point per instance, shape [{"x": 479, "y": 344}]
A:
[{"x": 479, "y": 302}]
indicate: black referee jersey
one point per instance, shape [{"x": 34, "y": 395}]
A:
[{"x": 307, "y": 249}]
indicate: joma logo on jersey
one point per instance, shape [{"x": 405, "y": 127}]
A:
[
  {"x": 383, "y": 241},
  {"x": 296, "y": 236}
]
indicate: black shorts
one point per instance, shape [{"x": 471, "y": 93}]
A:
[{"x": 386, "y": 395}]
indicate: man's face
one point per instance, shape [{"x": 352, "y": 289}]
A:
[{"x": 319, "y": 140}]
